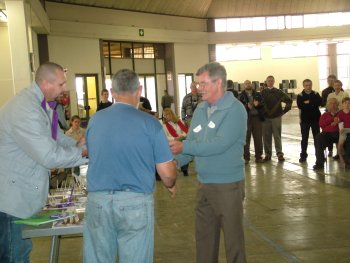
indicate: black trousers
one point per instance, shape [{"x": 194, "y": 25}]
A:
[
  {"x": 322, "y": 141},
  {"x": 305, "y": 129}
]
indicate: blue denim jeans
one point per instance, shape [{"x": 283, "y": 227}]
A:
[
  {"x": 13, "y": 249},
  {"x": 119, "y": 224}
]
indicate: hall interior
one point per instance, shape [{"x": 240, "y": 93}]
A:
[{"x": 291, "y": 212}]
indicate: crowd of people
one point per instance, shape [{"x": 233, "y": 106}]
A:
[
  {"x": 265, "y": 109},
  {"x": 215, "y": 130}
]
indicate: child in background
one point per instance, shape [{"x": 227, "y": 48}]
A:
[
  {"x": 75, "y": 131},
  {"x": 344, "y": 127}
]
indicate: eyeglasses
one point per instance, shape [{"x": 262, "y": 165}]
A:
[{"x": 206, "y": 83}]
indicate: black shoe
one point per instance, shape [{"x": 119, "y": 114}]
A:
[
  {"x": 330, "y": 154},
  {"x": 302, "y": 160},
  {"x": 267, "y": 158},
  {"x": 246, "y": 161},
  {"x": 185, "y": 173},
  {"x": 336, "y": 157},
  {"x": 318, "y": 167}
]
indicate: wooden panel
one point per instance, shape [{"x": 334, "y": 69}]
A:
[{"x": 219, "y": 8}]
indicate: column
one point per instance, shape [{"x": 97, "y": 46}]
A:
[{"x": 19, "y": 44}]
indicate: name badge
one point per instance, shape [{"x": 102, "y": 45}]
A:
[
  {"x": 211, "y": 125},
  {"x": 198, "y": 128}
]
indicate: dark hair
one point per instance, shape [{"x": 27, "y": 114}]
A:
[
  {"x": 307, "y": 80},
  {"x": 73, "y": 118},
  {"x": 229, "y": 84},
  {"x": 332, "y": 77},
  {"x": 104, "y": 90},
  {"x": 345, "y": 99}
]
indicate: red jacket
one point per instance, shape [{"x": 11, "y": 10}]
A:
[{"x": 325, "y": 122}]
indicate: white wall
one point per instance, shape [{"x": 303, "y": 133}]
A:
[
  {"x": 79, "y": 56},
  {"x": 189, "y": 58},
  {"x": 290, "y": 68},
  {"x": 6, "y": 82}
]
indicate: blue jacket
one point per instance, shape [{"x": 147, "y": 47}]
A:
[
  {"x": 28, "y": 152},
  {"x": 217, "y": 142}
]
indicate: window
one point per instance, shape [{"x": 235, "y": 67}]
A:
[
  {"x": 310, "y": 21},
  {"x": 148, "y": 51},
  {"x": 114, "y": 49},
  {"x": 294, "y": 22},
  {"x": 343, "y": 48},
  {"x": 282, "y": 22},
  {"x": 137, "y": 50},
  {"x": 234, "y": 25},
  {"x": 246, "y": 24},
  {"x": 275, "y": 22},
  {"x": 220, "y": 25},
  {"x": 259, "y": 23},
  {"x": 308, "y": 49},
  {"x": 227, "y": 52}
]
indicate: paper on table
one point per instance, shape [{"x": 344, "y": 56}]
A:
[{"x": 41, "y": 218}]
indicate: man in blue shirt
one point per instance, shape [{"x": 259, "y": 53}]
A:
[
  {"x": 215, "y": 140},
  {"x": 125, "y": 146}
]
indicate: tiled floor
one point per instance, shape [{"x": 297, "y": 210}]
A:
[{"x": 292, "y": 214}]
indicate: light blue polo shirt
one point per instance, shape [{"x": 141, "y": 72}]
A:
[{"x": 124, "y": 146}]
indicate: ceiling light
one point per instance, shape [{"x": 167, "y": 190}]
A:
[{"x": 3, "y": 16}]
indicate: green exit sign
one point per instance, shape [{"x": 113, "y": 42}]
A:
[{"x": 141, "y": 32}]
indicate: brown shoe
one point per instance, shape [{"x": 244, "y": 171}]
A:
[
  {"x": 267, "y": 158},
  {"x": 259, "y": 160},
  {"x": 280, "y": 157}
]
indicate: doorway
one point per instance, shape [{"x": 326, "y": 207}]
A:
[
  {"x": 86, "y": 87},
  {"x": 184, "y": 81},
  {"x": 149, "y": 90}
]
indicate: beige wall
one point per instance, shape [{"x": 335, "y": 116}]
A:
[
  {"x": 79, "y": 56},
  {"x": 6, "y": 82},
  {"x": 290, "y": 68},
  {"x": 189, "y": 58}
]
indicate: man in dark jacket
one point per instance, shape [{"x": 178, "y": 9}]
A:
[
  {"x": 328, "y": 90},
  {"x": 308, "y": 102},
  {"x": 254, "y": 105},
  {"x": 273, "y": 99}
]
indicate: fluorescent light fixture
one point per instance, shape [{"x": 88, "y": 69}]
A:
[
  {"x": 343, "y": 39},
  {"x": 271, "y": 43},
  {"x": 3, "y": 16}
]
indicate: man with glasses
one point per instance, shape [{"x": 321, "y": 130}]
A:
[
  {"x": 189, "y": 104},
  {"x": 215, "y": 141}
]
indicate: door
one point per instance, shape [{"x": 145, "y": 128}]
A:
[
  {"x": 184, "y": 82},
  {"x": 86, "y": 86},
  {"x": 149, "y": 90}
]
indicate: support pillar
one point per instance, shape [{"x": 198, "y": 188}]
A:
[{"x": 19, "y": 44}]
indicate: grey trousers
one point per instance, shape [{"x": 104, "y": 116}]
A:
[
  {"x": 219, "y": 206},
  {"x": 254, "y": 127},
  {"x": 272, "y": 127}
]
